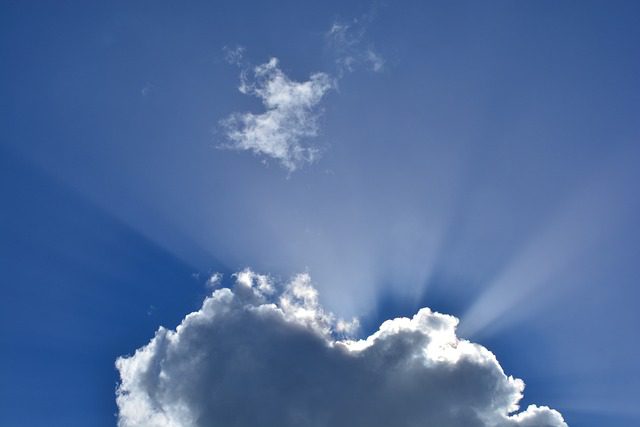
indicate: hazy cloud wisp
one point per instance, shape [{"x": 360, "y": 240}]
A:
[
  {"x": 263, "y": 354},
  {"x": 348, "y": 44}
]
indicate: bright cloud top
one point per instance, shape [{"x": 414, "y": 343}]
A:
[
  {"x": 260, "y": 354},
  {"x": 292, "y": 111}
]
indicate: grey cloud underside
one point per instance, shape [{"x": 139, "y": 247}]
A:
[{"x": 256, "y": 355}]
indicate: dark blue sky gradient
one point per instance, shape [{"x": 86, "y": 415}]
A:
[{"x": 79, "y": 289}]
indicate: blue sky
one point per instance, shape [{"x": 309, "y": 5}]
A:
[{"x": 477, "y": 159}]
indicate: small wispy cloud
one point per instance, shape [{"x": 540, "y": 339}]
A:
[
  {"x": 234, "y": 55},
  {"x": 292, "y": 108},
  {"x": 214, "y": 280},
  {"x": 146, "y": 89},
  {"x": 291, "y": 113},
  {"x": 350, "y": 47}
]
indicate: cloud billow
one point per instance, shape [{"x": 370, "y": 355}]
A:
[
  {"x": 260, "y": 354},
  {"x": 291, "y": 115}
]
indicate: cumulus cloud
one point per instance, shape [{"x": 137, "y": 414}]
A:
[
  {"x": 263, "y": 354},
  {"x": 290, "y": 116}
]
